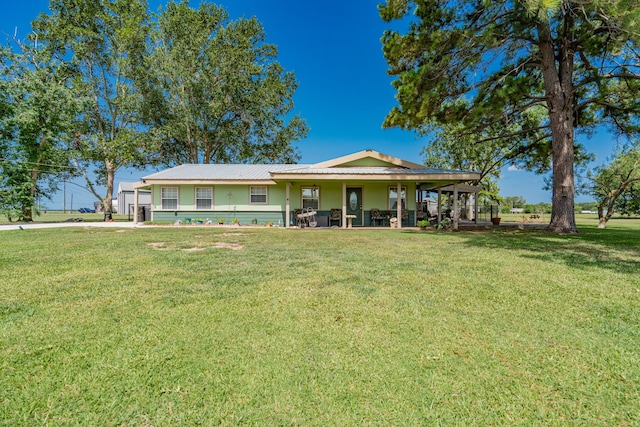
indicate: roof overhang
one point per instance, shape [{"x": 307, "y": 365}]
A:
[
  {"x": 444, "y": 179},
  {"x": 149, "y": 182},
  {"x": 460, "y": 188}
]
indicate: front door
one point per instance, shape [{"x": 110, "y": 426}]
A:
[{"x": 354, "y": 204}]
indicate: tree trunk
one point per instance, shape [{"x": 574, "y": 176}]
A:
[
  {"x": 562, "y": 210},
  {"x": 27, "y": 211},
  {"x": 107, "y": 202},
  {"x": 602, "y": 217},
  {"x": 602, "y": 222},
  {"x": 558, "y": 83}
]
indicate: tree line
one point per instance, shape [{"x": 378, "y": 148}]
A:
[{"x": 100, "y": 85}]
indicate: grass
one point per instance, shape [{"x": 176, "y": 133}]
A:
[
  {"x": 212, "y": 326},
  {"x": 60, "y": 216}
]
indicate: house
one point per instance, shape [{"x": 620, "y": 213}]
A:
[
  {"x": 365, "y": 189},
  {"x": 126, "y": 199}
]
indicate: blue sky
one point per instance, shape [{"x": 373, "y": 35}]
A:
[{"x": 344, "y": 93}]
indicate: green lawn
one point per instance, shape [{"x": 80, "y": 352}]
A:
[
  {"x": 240, "y": 326},
  {"x": 60, "y": 216}
]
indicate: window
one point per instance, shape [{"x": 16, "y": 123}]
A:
[
  {"x": 258, "y": 195},
  {"x": 393, "y": 198},
  {"x": 204, "y": 198},
  {"x": 311, "y": 197},
  {"x": 169, "y": 198}
]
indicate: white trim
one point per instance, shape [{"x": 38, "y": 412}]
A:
[
  {"x": 302, "y": 198},
  {"x": 195, "y": 198},
  {"x": 266, "y": 195},
  {"x": 162, "y": 208},
  {"x": 395, "y": 188}
]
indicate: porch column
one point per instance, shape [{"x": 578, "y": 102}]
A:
[
  {"x": 399, "y": 207},
  {"x": 415, "y": 206},
  {"x": 455, "y": 207},
  {"x": 475, "y": 208},
  {"x": 439, "y": 206},
  {"x": 287, "y": 208},
  {"x": 135, "y": 206},
  {"x": 344, "y": 205}
]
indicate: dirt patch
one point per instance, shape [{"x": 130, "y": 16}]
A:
[
  {"x": 156, "y": 244},
  {"x": 218, "y": 245}
]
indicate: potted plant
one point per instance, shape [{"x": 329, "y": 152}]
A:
[
  {"x": 198, "y": 221},
  {"x": 268, "y": 224},
  {"x": 423, "y": 224},
  {"x": 235, "y": 221},
  {"x": 220, "y": 221},
  {"x": 496, "y": 220},
  {"x": 446, "y": 224}
]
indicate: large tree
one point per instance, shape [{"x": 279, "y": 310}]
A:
[
  {"x": 215, "y": 92},
  {"x": 481, "y": 63},
  {"x": 37, "y": 114},
  {"x": 105, "y": 40}
]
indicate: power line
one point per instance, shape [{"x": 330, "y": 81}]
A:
[{"x": 37, "y": 164}]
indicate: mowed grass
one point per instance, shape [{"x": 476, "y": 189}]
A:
[
  {"x": 232, "y": 326},
  {"x": 60, "y": 216}
]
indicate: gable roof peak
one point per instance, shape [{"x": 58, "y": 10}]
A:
[{"x": 370, "y": 154}]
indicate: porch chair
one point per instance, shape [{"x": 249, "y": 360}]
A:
[
  {"x": 387, "y": 215},
  {"x": 335, "y": 215},
  {"x": 376, "y": 216}
]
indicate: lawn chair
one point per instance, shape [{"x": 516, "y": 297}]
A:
[
  {"x": 336, "y": 215},
  {"x": 376, "y": 216}
]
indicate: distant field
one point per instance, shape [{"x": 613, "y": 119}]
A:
[{"x": 218, "y": 326}]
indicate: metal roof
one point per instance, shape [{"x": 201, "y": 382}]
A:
[
  {"x": 369, "y": 170},
  {"x": 243, "y": 172},
  {"x": 221, "y": 172}
]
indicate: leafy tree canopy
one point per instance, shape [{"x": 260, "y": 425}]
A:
[
  {"x": 214, "y": 90},
  {"x": 524, "y": 73},
  {"x": 37, "y": 113},
  {"x": 103, "y": 40},
  {"x": 615, "y": 185}
]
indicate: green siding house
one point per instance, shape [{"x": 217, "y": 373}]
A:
[{"x": 360, "y": 189}]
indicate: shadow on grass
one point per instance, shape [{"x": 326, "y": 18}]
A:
[{"x": 614, "y": 248}]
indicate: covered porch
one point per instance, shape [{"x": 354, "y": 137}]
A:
[{"x": 369, "y": 189}]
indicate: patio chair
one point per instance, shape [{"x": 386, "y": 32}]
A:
[
  {"x": 386, "y": 216},
  {"x": 335, "y": 215},
  {"x": 376, "y": 216}
]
